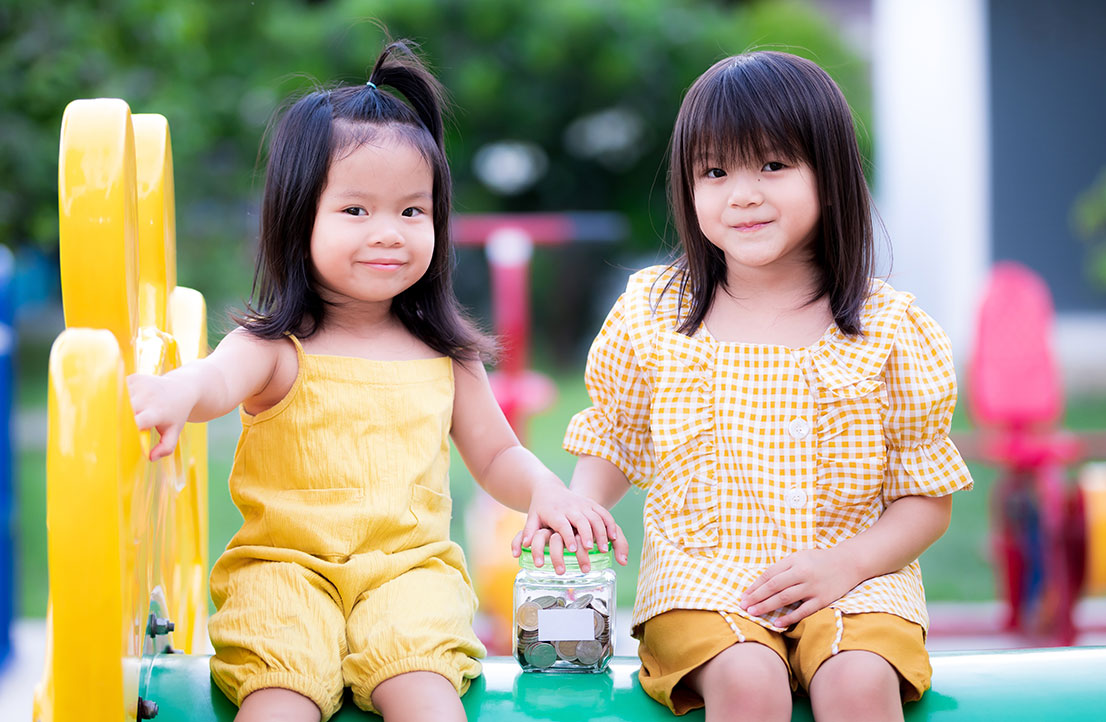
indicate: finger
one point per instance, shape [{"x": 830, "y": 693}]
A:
[
  {"x": 790, "y": 595},
  {"x": 621, "y": 549},
  {"x": 609, "y": 523},
  {"x": 803, "y": 611},
  {"x": 167, "y": 443},
  {"x": 568, "y": 535},
  {"x": 516, "y": 544},
  {"x": 557, "y": 553},
  {"x": 599, "y": 530},
  {"x": 144, "y": 420},
  {"x": 582, "y": 525},
  {"x": 767, "y": 576},
  {"x": 532, "y": 524},
  {"x": 582, "y": 557},
  {"x": 537, "y": 546}
]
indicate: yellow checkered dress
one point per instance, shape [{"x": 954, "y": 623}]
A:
[{"x": 750, "y": 452}]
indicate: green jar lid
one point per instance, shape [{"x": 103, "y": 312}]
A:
[{"x": 598, "y": 560}]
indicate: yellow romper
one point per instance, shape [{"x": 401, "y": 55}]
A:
[{"x": 343, "y": 573}]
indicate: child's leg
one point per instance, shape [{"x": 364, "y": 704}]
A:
[
  {"x": 277, "y": 632},
  {"x": 277, "y": 705},
  {"x": 692, "y": 658},
  {"x": 746, "y": 681},
  {"x": 418, "y": 697},
  {"x": 859, "y": 666},
  {"x": 856, "y": 686},
  {"x": 413, "y": 630}
]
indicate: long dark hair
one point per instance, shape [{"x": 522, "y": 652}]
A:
[
  {"x": 314, "y": 130},
  {"x": 748, "y": 108}
]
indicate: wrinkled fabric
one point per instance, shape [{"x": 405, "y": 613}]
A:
[
  {"x": 343, "y": 573},
  {"x": 750, "y": 452}
]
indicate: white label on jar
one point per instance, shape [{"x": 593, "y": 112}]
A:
[{"x": 557, "y": 625}]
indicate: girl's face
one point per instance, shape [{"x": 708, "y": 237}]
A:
[
  {"x": 373, "y": 236},
  {"x": 762, "y": 217}
]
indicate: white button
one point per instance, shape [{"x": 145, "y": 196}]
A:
[
  {"x": 799, "y": 428},
  {"x": 796, "y": 497}
]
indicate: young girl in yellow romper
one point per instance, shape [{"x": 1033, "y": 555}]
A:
[
  {"x": 353, "y": 367},
  {"x": 787, "y": 414}
]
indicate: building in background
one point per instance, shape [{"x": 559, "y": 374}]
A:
[{"x": 989, "y": 122}]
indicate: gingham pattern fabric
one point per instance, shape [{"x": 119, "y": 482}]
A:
[{"x": 750, "y": 452}]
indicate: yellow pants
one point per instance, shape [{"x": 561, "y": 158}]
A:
[
  {"x": 282, "y": 624},
  {"x": 678, "y": 642}
]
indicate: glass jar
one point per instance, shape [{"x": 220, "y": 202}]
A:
[{"x": 563, "y": 622}]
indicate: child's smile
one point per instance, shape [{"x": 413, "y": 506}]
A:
[
  {"x": 758, "y": 216},
  {"x": 373, "y": 236}
]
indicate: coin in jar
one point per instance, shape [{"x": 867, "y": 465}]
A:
[
  {"x": 599, "y": 622},
  {"x": 541, "y": 655},
  {"x": 527, "y": 616},
  {"x": 580, "y": 602},
  {"x": 589, "y": 652},
  {"x": 566, "y": 650}
]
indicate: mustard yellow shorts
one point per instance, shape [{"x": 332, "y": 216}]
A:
[
  {"x": 676, "y": 643},
  {"x": 281, "y": 624}
]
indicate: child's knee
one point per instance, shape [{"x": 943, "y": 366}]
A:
[
  {"x": 743, "y": 674},
  {"x": 856, "y": 675}
]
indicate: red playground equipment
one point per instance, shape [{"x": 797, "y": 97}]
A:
[{"x": 1048, "y": 535}]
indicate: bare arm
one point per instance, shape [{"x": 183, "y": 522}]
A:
[
  {"x": 600, "y": 480},
  {"x": 241, "y": 369},
  {"x": 819, "y": 577},
  {"x": 513, "y": 475}
]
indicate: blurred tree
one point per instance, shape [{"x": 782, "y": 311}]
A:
[
  {"x": 588, "y": 90},
  {"x": 1089, "y": 218}
]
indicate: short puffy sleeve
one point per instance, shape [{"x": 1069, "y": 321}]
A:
[
  {"x": 616, "y": 427},
  {"x": 921, "y": 392}
]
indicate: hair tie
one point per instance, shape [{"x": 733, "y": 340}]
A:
[{"x": 371, "y": 84}]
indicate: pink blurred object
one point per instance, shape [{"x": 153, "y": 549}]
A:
[
  {"x": 1015, "y": 395},
  {"x": 1015, "y": 390}
]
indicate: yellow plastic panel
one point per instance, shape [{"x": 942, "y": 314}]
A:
[
  {"x": 126, "y": 538},
  {"x": 157, "y": 256},
  {"x": 89, "y": 466},
  {"x": 97, "y": 219},
  {"x": 188, "y": 597}
]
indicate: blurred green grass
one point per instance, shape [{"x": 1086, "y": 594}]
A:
[{"x": 956, "y": 568}]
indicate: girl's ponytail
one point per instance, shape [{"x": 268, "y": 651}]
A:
[{"x": 398, "y": 67}]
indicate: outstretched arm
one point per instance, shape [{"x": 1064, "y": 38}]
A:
[
  {"x": 241, "y": 368},
  {"x": 515, "y": 477},
  {"x": 819, "y": 577}
]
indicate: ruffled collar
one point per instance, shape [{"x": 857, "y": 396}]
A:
[{"x": 844, "y": 365}]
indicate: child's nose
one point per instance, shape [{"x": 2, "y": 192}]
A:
[
  {"x": 385, "y": 233},
  {"x": 745, "y": 190}
]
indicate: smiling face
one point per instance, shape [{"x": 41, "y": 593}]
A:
[
  {"x": 373, "y": 236},
  {"x": 762, "y": 216}
]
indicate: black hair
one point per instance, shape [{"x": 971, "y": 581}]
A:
[
  {"x": 747, "y": 108},
  {"x": 308, "y": 136}
]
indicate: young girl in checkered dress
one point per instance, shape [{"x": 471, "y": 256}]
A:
[{"x": 786, "y": 413}]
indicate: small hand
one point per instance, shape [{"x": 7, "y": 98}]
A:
[
  {"x": 814, "y": 577},
  {"x": 555, "y": 541},
  {"x": 159, "y": 404},
  {"x": 573, "y": 516}
]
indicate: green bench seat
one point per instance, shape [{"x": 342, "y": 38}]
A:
[{"x": 1036, "y": 684}]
